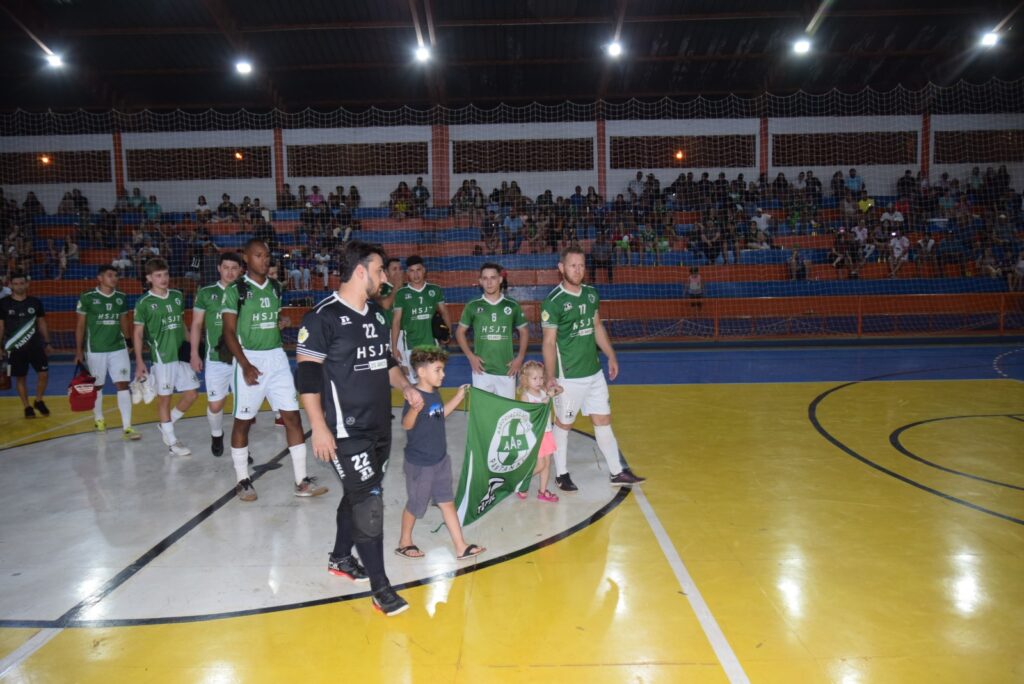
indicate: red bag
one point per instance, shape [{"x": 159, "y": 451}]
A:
[{"x": 82, "y": 390}]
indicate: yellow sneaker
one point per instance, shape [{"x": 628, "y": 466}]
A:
[
  {"x": 101, "y": 425},
  {"x": 132, "y": 434}
]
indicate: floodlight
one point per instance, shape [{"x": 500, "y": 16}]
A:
[
  {"x": 54, "y": 60},
  {"x": 422, "y": 53},
  {"x": 802, "y": 46},
  {"x": 990, "y": 39},
  {"x": 615, "y": 49},
  {"x": 243, "y": 67}
]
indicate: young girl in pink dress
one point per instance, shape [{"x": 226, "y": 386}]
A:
[{"x": 532, "y": 390}]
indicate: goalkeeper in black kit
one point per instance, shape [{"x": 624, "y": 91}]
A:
[{"x": 345, "y": 374}]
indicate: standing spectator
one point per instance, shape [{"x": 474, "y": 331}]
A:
[
  {"x": 636, "y": 186},
  {"x": 512, "y": 233},
  {"x": 490, "y": 232},
  {"x": 203, "y": 211},
  {"x": 151, "y": 209},
  {"x": 32, "y": 207},
  {"x": 838, "y": 186},
  {"x": 420, "y": 197},
  {"x": 354, "y": 201},
  {"x": 26, "y": 338},
  {"x": 854, "y": 183},
  {"x": 285, "y": 198},
  {"x": 694, "y": 287},
  {"x": 314, "y": 197},
  {"x": 66, "y": 205},
  {"x": 602, "y": 256},
  {"x": 797, "y": 266},
  {"x": 226, "y": 210},
  {"x": 400, "y": 201}
]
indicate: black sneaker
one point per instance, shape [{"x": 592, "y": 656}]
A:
[
  {"x": 565, "y": 483},
  {"x": 251, "y": 461},
  {"x": 348, "y": 567},
  {"x": 217, "y": 445},
  {"x": 29, "y": 413},
  {"x": 386, "y": 601},
  {"x": 41, "y": 407},
  {"x": 627, "y": 478}
]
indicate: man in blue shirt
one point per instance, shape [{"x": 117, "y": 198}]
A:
[{"x": 512, "y": 233}]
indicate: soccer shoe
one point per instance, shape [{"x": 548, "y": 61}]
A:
[
  {"x": 148, "y": 389},
  {"x": 309, "y": 487},
  {"x": 131, "y": 435},
  {"x": 41, "y": 407},
  {"x": 29, "y": 412},
  {"x": 217, "y": 445},
  {"x": 245, "y": 490},
  {"x": 135, "y": 387},
  {"x": 386, "y": 601},
  {"x": 100, "y": 425},
  {"x": 348, "y": 567},
  {"x": 565, "y": 483},
  {"x": 179, "y": 449},
  {"x": 626, "y": 478}
]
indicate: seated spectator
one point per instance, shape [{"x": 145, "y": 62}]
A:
[
  {"x": 136, "y": 201},
  {"x": 636, "y": 186},
  {"x": 780, "y": 189},
  {"x": 512, "y": 232},
  {"x": 285, "y": 198},
  {"x": 244, "y": 207},
  {"x": 602, "y": 256},
  {"x": 594, "y": 201},
  {"x": 52, "y": 265},
  {"x": 144, "y": 254},
  {"x": 812, "y": 189},
  {"x": 297, "y": 266},
  {"x": 841, "y": 255},
  {"x": 864, "y": 203},
  {"x": 863, "y": 242},
  {"x": 203, "y": 212},
  {"x": 322, "y": 262},
  {"x": 108, "y": 227},
  {"x": 490, "y": 232},
  {"x": 420, "y": 197},
  {"x": 315, "y": 198},
  {"x": 462, "y": 200},
  {"x": 925, "y": 252},
  {"x": 400, "y": 201},
  {"x": 66, "y": 205},
  {"x": 70, "y": 252},
  {"x": 1015, "y": 275},
  {"x": 263, "y": 230},
  {"x": 988, "y": 265},
  {"x": 854, "y": 183},
  {"x": 32, "y": 207},
  {"x": 899, "y": 252},
  {"x": 256, "y": 211},
  {"x": 893, "y": 215},
  {"x": 80, "y": 200},
  {"x": 759, "y": 241},
  {"x": 354, "y": 201},
  {"x": 124, "y": 260},
  {"x": 849, "y": 208},
  {"x": 226, "y": 210},
  {"x": 301, "y": 196},
  {"x": 838, "y": 186},
  {"x": 761, "y": 221},
  {"x": 797, "y": 266}
]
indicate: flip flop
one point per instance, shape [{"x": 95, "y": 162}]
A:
[
  {"x": 407, "y": 552},
  {"x": 471, "y": 550}
]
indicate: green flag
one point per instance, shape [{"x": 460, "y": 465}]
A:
[{"x": 502, "y": 440}]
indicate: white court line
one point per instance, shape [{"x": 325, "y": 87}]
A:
[
  {"x": 36, "y": 642},
  {"x": 54, "y": 429},
  {"x": 726, "y": 656}
]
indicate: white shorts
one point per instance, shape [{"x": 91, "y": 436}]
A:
[
  {"x": 502, "y": 385},
  {"x": 275, "y": 384},
  {"x": 218, "y": 380},
  {"x": 582, "y": 395},
  {"x": 115, "y": 363},
  {"x": 176, "y": 376}
]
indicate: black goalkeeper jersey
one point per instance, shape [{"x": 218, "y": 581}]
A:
[
  {"x": 20, "y": 322},
  {"x": 355, "y": 348}
]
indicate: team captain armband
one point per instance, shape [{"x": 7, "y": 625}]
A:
[{"x": 309, "y": 377}]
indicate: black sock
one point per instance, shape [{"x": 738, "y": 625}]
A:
[{"x": 372, "y": 555}]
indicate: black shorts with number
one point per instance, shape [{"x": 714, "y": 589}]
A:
[
  {"x": 361, "y": 462},
  {"x": 30, "y": 355}
]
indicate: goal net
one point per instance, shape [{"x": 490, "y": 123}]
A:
[{"x": 872, "y": 213}]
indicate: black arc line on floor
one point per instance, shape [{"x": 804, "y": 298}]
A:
[
  {"x": 812, "y": 415},
  {"x": 68, "y": 620},
  {"x": 894, "y": 440}
]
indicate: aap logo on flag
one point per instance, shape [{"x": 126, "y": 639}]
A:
[{"x": 512, "y": 442}]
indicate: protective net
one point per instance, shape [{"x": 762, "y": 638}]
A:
[{"x": 872, "y": 213}]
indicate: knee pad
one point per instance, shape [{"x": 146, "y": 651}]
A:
[{"x": 368, "y": 519}]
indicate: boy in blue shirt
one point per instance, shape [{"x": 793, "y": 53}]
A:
[{"x": 428, "y": 469}]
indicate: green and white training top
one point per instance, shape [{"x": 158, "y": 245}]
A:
[
  {"x": 258, "y": 315},
  {"x": 164, "y": 321},
  {"x": 573, "y": 316},
  {"x": 209, "y": 300},
  {"x": 418, "y": 307},
  {"x": 492, "y": 325},
  {"x": 103, "y": 314}
]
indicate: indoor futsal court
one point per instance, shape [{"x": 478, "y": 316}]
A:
[{"x": 783, "y": 242}]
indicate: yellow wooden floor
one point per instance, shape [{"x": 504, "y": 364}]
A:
[{"x": 817, "y": 567}]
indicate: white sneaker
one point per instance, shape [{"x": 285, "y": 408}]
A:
[
  {"x": 136, "y": 389},
  {"x": 179, "y": 449},
  {"x": 149, "y": 389}
]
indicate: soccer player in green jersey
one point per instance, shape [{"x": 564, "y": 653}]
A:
[
  {"x": 218, "y": 373},
  {"x": 100, "y": 335},
  {"x": 160, "y": 321},
  {"x": 388, "y": 290},
  {"x": 412, "y": 324},
  {"x": 573, "y": 332},
  {"x": 492, "y": 318},
  {"x": 251, "y": 309}
]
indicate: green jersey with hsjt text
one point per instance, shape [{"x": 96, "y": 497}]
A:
[
  {"x": 418, "y": 307},
  {"x": 573, "y": 316},
  {"x": 209, "y": 300},
  {"x": 258, "y": 315},
  {"x": 492, "y": 325},
  {"x": 164, "y": 324},
  {"x": 385, "y": 291},
  {"x": 103, "y": 320}
]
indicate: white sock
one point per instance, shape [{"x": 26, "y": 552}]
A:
[
  {"x": 561, "y": 449},
  {"x": 609, "y": 446},
  {"x": 176, "y": 415},
  {"x": 298, "y": 453},
  {"x": 240, "y": 457},
  {"x": 124, "y": 403},
  {"x": 97, "y": 410},
  {"x": 168, "y": 430},
  {"x": 216, "y": 422}
]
